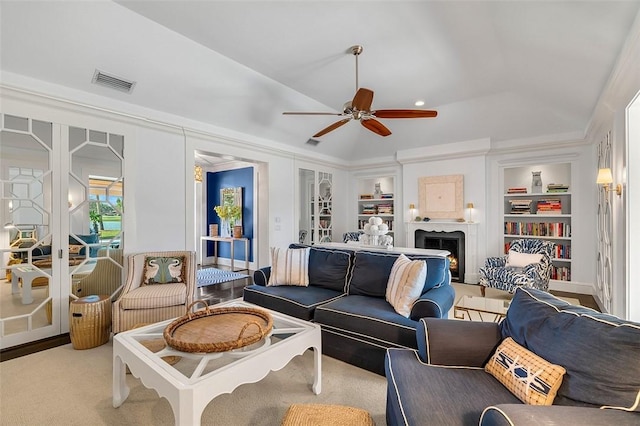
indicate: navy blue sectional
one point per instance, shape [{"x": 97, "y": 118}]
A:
[
  {"x": 346, "y": 296},
  {"x": 444, "y": 381}
]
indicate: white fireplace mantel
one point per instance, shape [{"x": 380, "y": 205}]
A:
[{"x": 470, "y": 230}]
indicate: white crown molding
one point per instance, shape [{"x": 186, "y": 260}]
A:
[
  {"x": 471, "y": 148},
  {"x": 556, "y": 141}
]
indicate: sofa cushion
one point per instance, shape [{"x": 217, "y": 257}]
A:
[
  {"x": 405, "y": 284},
  {"x": 531, "y": 378},
  {"x": 371, "y": 271},
  {"x": 419, "y": 394},
  {"x": 154, "y": 296},
  {"x": 88, "y": 239},
  {"x": 330, "y": 268},
  {"x": 370, "y": 318},
  {"x": 574, "y": 337},
  {"x": 289, "y": 267},
  {"x": 299, "y": 302}
]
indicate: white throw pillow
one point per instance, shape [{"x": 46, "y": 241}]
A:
[
  {"x": 405, "y": 284},
  {"x": 289, "y": 267},
  {"x": 520, "y": 260}
]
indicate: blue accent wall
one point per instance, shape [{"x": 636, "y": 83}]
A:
[{"x": 231, "y": 179}]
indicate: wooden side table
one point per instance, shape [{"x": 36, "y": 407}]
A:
[{"x": 90, "y": 321}]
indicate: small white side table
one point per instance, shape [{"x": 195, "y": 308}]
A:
[
  {"x": 231, "y": 241},
  {"x": 26, "y": 274}
]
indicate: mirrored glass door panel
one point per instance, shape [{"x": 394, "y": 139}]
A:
[
  {"x": 96, "y": 190},
  {"x": 27, "y": 284}
]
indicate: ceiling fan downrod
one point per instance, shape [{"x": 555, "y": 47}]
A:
[{"x": 356, "y": 50}]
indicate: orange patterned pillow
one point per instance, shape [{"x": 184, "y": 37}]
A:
[{"x": 532, "y": 379}]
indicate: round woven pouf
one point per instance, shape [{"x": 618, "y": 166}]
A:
[
  {"x": 90, "y": 321},
  {"x": 326, "y": 415}
]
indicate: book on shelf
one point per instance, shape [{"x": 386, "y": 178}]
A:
[
  {"x": 517, "y": 190},
  {"x": 543, "y": 229},
  {"x": 549, "y": 206},
  {"x": 520, "y": 206},
  {"x": 560, "y": 273},
  {"x": 386, "y": 195},
  {"x": 366, "y": 196},
  {"x": 557, "y": 187}
]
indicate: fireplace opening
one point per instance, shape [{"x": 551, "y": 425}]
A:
[{"x": 450, "y": 241}]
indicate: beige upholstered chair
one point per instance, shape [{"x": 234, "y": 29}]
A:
[
  {"x": 106, "y": 277},
  {"x": 141, "y": 303}
]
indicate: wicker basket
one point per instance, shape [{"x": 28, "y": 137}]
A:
[{"x": 218, "y": 329}]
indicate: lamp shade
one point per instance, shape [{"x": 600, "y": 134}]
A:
[
  {"x": 412, "y": 206},
  {"x": 604, "y": 177},
  {"x": 469, "y": 205}
]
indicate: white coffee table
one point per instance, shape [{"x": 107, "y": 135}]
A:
[{"x": 196, "y": 379}]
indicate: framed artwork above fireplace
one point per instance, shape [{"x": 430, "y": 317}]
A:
[{"x": 441, "y": 197}]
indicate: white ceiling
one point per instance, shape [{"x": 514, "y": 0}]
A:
[{"x": 499, "y": 69}]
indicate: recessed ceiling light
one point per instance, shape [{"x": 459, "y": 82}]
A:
[{"x": 419, "y": 103}]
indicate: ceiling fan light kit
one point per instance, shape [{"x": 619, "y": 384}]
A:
[{"x": 360, "y": 109}]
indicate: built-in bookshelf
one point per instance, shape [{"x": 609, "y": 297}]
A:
[
  {"x": 544, "y": 214},
  {"x": 376, "y": 197}
]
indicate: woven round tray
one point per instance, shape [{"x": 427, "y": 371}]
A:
[{"x": 218, "y": 329}]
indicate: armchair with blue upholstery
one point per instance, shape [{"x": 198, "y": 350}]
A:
[{"x": 506, "y": 273}]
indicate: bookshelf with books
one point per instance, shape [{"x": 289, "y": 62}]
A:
[
  {"x": 376, "y": 197},
  {"x": 545, "y": 215}
]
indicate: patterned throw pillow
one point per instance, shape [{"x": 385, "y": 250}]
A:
[
  {"x": 163, "y": 270},
  {"x": 532, "y": 379},
  {"x": 289, "y": 267},
  {"x": 405, "y": 284}
]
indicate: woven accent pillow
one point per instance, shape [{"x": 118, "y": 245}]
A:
[
  {"x": 405, "y": 284},
  {"x": 520, "y": 260},
  {"x": 289, "y": 267},
  {"x": 163, "y": 270},
  {"x": 532, "y": 379}
]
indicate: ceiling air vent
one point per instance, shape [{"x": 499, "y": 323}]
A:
[
  {"x": 113, "y": 82},
  {"x": 313, "y": 142}
]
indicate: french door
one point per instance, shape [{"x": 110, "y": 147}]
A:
[{"x": 62, "y": 211}]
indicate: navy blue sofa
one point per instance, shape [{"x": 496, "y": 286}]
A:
[
  {"x": 444, "y": 382},
  {"x": 346, "y": 296}
]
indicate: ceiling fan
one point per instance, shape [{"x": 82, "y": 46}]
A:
[{"x": 360, "y": 109}]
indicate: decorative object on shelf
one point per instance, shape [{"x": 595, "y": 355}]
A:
[
  {"x": 377, "y": 193},
  {"x": 197, "y": 173},
  {"x": 213, "y": 230},
  {"x": 470, "y": 209},
  {"x": 237, "y": 231},
  {"x": 375, "y": 229},
  {"x": 536, "y": 182},
  {"x": 426, "y": 219},
  {"x": 441, "y": 196},
  {"x": 605, "y": 178}
]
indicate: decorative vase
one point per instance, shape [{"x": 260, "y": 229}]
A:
[
  {"x": 213, "y": 230},
  {"x": 237, "y": 231},
  {"x": 226, "y": 228}
]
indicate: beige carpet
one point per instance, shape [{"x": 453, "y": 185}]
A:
[{"x": 63, "y": 386}]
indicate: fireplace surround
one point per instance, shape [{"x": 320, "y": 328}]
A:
[
  {"x": 453, "y": 241},
  {"x": 470, "y": 230}
]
